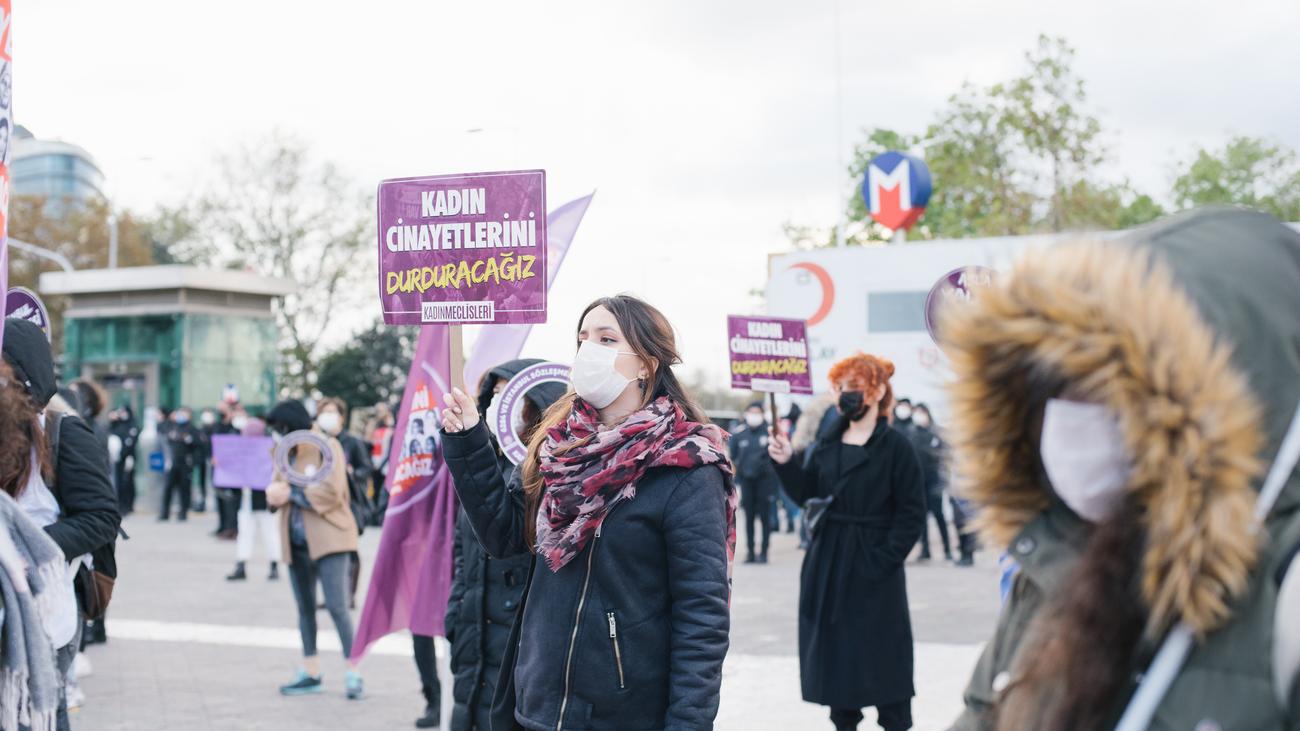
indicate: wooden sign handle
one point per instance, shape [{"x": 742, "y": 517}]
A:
[
  {"x": 771, "y": 403},
  {"x": 458, "y": 358}
]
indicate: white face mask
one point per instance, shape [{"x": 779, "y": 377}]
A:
[
  {"x": 902, "y": 412},
  {"x": 239, "y": 422},
  {"x": 594, "y": 377},
  {"x": 329, "y": 422},
  {"x": 1085, "y": 457},
  {"x": 754, "y": 420},
  {"x": 208, "y": 418},
  {"x": 493, "y": 411}
]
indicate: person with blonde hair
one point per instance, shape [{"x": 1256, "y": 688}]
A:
[{"x": 866, "y": 509}]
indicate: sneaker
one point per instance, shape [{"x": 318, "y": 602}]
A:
[
  {"x": 356, "y": 689},
  {"x": 966, "y": 561},
  {"x": 76, "y": 696},
  {"x": 429, "y": 719},
  {"x": 303, "y": 684}
]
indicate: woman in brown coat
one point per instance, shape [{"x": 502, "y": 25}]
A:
[{"x": 318, "y": 536}]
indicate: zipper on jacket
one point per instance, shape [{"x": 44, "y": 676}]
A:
[
  {"x": 573, "y": 637},
  {"x": 618, "y": 654}
]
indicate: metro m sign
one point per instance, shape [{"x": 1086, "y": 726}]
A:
[{"x": 896, "y": 189}]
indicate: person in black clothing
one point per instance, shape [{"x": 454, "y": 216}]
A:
[
  {"x": 627, "y": 631},
  {"x": 185, "y": 445},
  {"x": 485, "y": 591},
  {"x": 88, "y": 519},
  {"x": 756, "y": 479},
  {"x": 122, "y": 424},
  {"x": 227, "y": 497},
  {"x": 929, "y": 449},
  {"x": 903, "y": 416},
  {"x": 331, "y": 417},
  {"x": 855, "y": 632}
]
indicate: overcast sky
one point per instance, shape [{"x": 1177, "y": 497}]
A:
[{"x": 704, "y": 125}]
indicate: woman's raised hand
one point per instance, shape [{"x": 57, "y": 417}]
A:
[
  {"x": 779, "y": 447},
  {"x": 461, "y": 413}
]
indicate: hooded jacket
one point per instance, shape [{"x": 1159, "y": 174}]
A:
[
  {"x": 89, "y": 516},
  {"x": 1187, "y": 330}
]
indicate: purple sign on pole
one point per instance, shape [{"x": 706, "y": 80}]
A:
[
  {"x": 456, "y": 249},
  {"x": 509, "y": 413},
  {"x": 769, "y": 354},
  {"x": 241, "y": 461},
  {"x": 22, "y": 303},
  {"x": 956, "y": 285}
]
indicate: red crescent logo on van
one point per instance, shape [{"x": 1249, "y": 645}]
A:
[{"x": 828, "y": 290}]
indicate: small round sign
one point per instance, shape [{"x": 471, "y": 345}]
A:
[
  {"x": 955, "y": 286},
  {"x": 313, "y": 474},
  {"x": 511, "y": 405},
  {"x": 24, "y": 304}
]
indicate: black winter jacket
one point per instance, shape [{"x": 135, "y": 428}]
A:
[
  {"x": 630, "y": 634},
  {"x": 89, "y": 516},
  {"x": 485, "y": 597}
]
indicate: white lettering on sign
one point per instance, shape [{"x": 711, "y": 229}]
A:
[{"x": 465, "y": 202}]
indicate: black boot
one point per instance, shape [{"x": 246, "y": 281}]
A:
[
  {"x": 238, "y": 574},
  {"x": 275, "y": 572},
  {"x": 431, "y": 710},
  {"x": 762, "y": 557},
  {"x": 749, "y": 558}
]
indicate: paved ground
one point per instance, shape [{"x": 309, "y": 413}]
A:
[{"x": 188, "y": 650}]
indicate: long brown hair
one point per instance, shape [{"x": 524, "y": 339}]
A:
[
  {"x": 20, "y": 430},
  {"x": 651, "y": 337}
]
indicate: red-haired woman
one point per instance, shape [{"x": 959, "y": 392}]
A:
[{"x": 855, "y": 636}]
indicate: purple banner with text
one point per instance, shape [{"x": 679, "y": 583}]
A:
[
  {"x": 769, "y": 354},
  {"x": 462, "y": 249}
]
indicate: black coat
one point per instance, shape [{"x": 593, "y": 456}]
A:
[
  {"x": 855, "y": 633},
  {"x": 654, "y": 576},
  {"x": 485, "y": 596},
  {"x": 929, "y": 450},
  {"x": 89, "y": 515},
  {"x": 186, "y": 444},
  {"x": 754, "y": 473}
]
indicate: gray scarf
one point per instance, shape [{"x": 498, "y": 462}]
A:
[{"x": 30, "y": 563}]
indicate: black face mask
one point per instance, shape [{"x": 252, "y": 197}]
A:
[{"x": 852, "y": 404}]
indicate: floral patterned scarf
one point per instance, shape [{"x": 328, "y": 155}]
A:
[{"x": 583, "y": 482}]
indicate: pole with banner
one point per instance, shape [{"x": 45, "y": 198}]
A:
[
  {"x": 769, "y": 355},
  {"x": 6, "y": 136}
]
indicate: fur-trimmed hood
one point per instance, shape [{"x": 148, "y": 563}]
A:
[{"x": 1189, "y": 331}]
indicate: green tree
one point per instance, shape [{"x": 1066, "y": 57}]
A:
[
  {"x": 371, "y": 368},
  {"x": 275, "y": 209},
  {"x": 1247, "y": 171},
  {"x": 1015, "y": 157}
]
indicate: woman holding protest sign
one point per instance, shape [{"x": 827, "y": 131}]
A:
[
  {"x": 866, "y": 497},
  {"x": 626, "y": 501}
]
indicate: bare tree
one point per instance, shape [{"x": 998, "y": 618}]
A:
[{"x": 276, "y": 210}]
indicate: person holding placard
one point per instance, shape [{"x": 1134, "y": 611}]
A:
[
  {"x": 866, "y": 510},
  {"x": 626, "y": 502}
]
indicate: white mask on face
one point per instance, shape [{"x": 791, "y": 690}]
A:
[
  {"x": 903, "y": 412},
  {"x": 754, "y": 420},
  {"x": 1085, "y": 457},
  {"x": 239, "y": 422},
  {"x": 594, "y": 377},
  {"x": 329, "y": 422}
]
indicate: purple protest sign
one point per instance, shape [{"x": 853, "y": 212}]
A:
[
  {"x": 241, "y": 461},
  {"x": 956, "y": 285},
  {"x": 510, "y": 409},
  {"x": 24, "y": 304},
  {"x": 457, "y": 249},
  {"x": 769, "y": 354}
]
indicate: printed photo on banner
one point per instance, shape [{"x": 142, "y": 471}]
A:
[
  {"x": 769, "y": 354},
  {"x": 420, "y": 442},
  {"x": 459, "y": 249}
]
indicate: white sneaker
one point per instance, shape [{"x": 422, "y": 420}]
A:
[
  {"x": 81, "y": 667},
  {"x": 76, "y": 698}
]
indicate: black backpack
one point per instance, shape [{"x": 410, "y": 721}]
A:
[{"x": 94, "y": 586}]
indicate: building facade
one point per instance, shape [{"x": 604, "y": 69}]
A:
[{"x": 61, "y": 172}]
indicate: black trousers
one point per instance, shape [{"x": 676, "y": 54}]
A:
[
  {"x": 934, "y": 505},
  {"x": 202, "y": 503},
  {"x": 178, "y": 487},
  {"x": 892, "y": 717},
  {"x": 125, "y": 480},
  {"x": 227, "y": 508},
  {"x": 758, "y": 506},
  {"x": 961, "y": 518},
  {"x": 426, "y": 664}
]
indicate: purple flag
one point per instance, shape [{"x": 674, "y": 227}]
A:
[
  {"x": 6, "y": 139},
  {"x": 500, "y": 343},
  {"x": 411, "y": 579}
]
